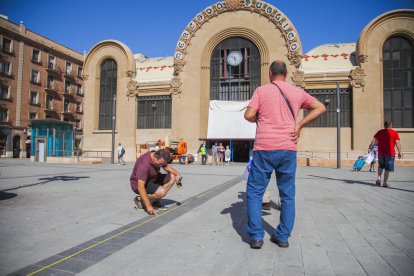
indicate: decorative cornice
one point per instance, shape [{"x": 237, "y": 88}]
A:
[
  {"x": 357, "y": 76},
  {"x": 274, "y": 16},
  {"x": 298, "y": 78}
]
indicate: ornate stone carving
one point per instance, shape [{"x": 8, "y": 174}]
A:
[
  {"x": 278, "y": 19},
  {"x": 85, "y": 77},
  {"x": 232, "y": 5},
  {"x": 176, "y": 82},
  {"x": 295, "y": 59},
  {"x": 175, "y": 91},
  {"x": 363, "y": 58},
  {"x": 130, "y": 74},
  {"x": 298, "y": 78},
  {"x": 132, "y": 87},
  {"x": 178, "y": 66},
  {"x": 357, "y": 76}
]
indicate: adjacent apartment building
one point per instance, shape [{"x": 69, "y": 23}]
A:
[{"x": 39, "y": 79}]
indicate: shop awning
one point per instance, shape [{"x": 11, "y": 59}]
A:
[{"x": 226, "y": 121}]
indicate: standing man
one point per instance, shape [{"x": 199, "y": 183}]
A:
[
  {"x": 203, "y": 151},
  {"x": 387, "y": 139},
  {"x": 147, "y": 181},
  {"x": 121, "y": 152},
  {"x": 275, "y": 149}
]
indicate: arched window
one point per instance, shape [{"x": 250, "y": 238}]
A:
[
  {"x": 397, "y": 55},
  {"x": 107, "y": 90},
  {"x": 234, "y": 70}
]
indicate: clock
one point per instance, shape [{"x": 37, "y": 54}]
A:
[{"x": 234, "y": 58}]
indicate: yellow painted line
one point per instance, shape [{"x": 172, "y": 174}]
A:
[
  {"x": 116, "y": 235},
  {"x": 103, "y": 241}
]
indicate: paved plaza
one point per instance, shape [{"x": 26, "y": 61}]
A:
[{"x": 66, "y": 219}]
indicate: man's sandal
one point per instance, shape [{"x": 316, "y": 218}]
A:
[
  {"x": 138, "y": 203},
  {"x": 378, "y": 182}
]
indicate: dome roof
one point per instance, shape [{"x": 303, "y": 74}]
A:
[{"x": 337, "y": 57}]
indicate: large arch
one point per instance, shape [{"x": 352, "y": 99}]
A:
[
  {"x": 100, "y": 140},
  {"x": 368, "y": 100},
  {"x": 276, "y": 39}
]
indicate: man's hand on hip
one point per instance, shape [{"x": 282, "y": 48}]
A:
[{"x": 294, "y": 135}]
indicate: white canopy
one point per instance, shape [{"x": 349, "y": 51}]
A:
[{"x": 226, "y": 121}]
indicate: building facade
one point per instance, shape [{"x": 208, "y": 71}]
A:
[
  {"x": 39, "y": 79},
  {"x": 222, "y": 55}
]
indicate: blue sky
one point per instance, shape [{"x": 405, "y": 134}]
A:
[{"x": 153, "y": 27}]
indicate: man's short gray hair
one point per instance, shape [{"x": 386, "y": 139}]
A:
[{"x": 278, "y": 67}]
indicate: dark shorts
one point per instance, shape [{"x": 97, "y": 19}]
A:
[
  {"x": 386, "y": 162},
  {"x": 152, "y": 186}
]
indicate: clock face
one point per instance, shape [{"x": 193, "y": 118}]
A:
[{"x": 234, "y": 58}]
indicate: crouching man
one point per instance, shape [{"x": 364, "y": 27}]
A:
[{"x": 147, "y": 181}]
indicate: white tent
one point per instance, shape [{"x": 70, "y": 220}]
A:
[{"x": 226, "y": 121}]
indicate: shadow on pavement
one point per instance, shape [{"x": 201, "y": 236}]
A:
[
  {"x": 169, "y": 202},
  {"x": 238, "y": 214},
  {"x": 350, "y": 181},
  {"x": 5, "y": 196},
  {"x": 47, "y": 180}
]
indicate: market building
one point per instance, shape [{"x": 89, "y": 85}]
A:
[
  {"x": 222, "y": 55},
  {"x": 39, "y": 79}
]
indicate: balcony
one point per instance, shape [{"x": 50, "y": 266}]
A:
[
  {"x": 68, "y": 73},
  {"x": 52, "y": 88},
  {"x": 69, "y": 92},
  {"x": 52, "y": 68},
  {"x": 7, "y": 99},
  {"x": 36, "y": 61},
  {"x": 67, "y": 111},
  {"x": 50, "y": 108},
  {"x": 36, "y": 82},
  {"x": 32, "y": 103},
  {"x": 7, "y": 75},
  {"x": 9, "y": 52}
]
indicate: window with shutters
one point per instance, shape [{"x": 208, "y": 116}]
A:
[
  {"x": 328, "y": 97},
  {"x": 234, "y": 70},
  {"x": 397, "y": 56},
  {"x": 154, "y": 112},
  {"x": 107, "y": 90}
]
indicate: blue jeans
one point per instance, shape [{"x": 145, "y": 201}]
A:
[{"x": 284, "y": 164}]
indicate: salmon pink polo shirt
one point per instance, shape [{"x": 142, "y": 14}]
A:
[{"x": 274, "y": 119}]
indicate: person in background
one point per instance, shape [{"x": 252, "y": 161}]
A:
[
  {"x": 203, "y": 151},
  {"x": 374, "y": 151},
  {"x": 214, "y": 152},
  {"x": 121, "y": 152},
  {"x": 220, "y": 152},
  {"x": 387, "y": 139},
  {"x": 227, "y": 154}
]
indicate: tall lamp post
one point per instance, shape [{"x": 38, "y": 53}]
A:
[
  {"x": 113, "y": 129},
  {"x": 338, "y": 127}
]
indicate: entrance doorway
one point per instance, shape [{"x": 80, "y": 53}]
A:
[
  {"x": 41, "y": 150},
  {"x": 241, "y": 150},
  {"x": 16, "y": 146}
]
